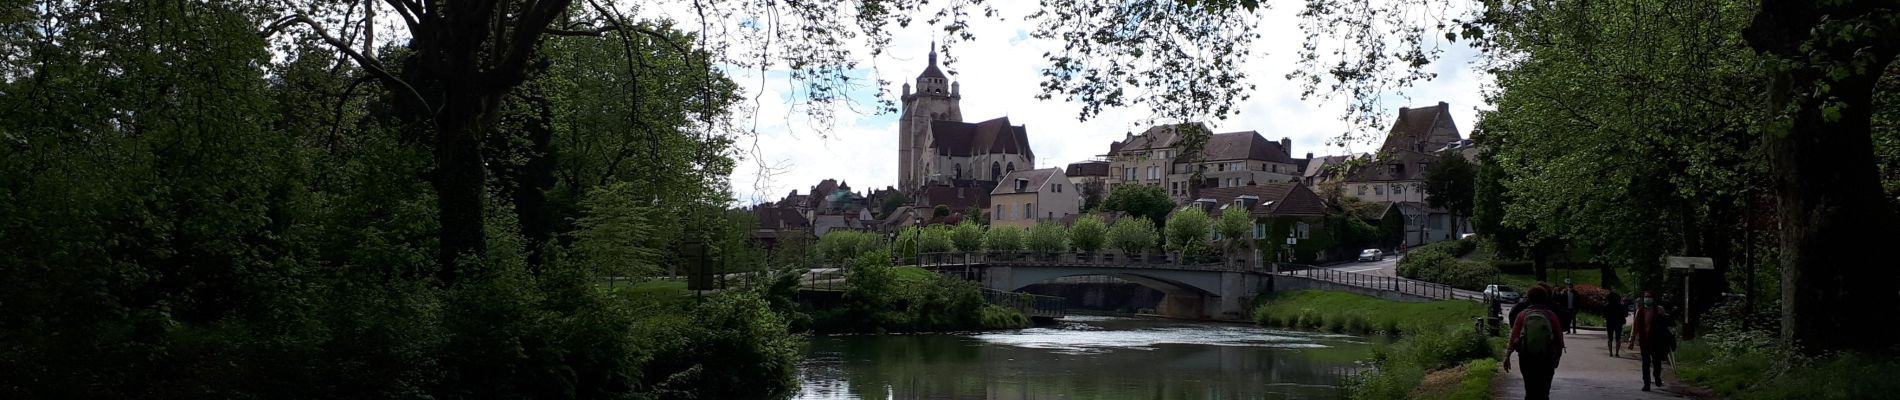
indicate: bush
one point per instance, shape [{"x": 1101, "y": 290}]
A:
[
  {"x": 1188, "y": 229},
  {"x": 1003, "y": 238},
  {"x": 1312, "y": 308},
  {"x": 1434, "y": 265},
  {"x": 999, "y": 317},
  {"x": 968, "y": 236},
  {"x": 1454, "y": 248},
  {"x": 1047, "y": 237},
  {"x": 736, "y": 347},
  {"x": 1132, "y": 235},
  {"x": 842, "y": 246},
  {"x": 1088, "y": 234}
]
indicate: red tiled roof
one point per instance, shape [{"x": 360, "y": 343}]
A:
[{"x": 1036, "y": 178}]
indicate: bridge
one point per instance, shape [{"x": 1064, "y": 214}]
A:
[{"x": 1194, "y": 287}]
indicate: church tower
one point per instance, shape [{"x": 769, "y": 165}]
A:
[{"x": 936, "y": 99}]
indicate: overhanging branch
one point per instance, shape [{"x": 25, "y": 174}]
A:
[{"x": 375, "y": 69}]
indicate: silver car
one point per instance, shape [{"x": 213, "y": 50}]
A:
[
  {"x": 1371, "y": 255},
  {"x": 1503, "y": 294}
]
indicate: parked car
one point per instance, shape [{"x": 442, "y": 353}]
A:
[
  {"x": 1503, "y": 294},
  {"x": 1371, "y": 255}
]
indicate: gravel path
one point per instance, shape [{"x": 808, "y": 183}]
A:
[{"x": 1588, "y": 372}]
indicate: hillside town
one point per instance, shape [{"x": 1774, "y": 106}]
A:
[{"x": 950, "y": 171}]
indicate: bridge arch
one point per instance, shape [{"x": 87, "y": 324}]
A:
[{"x": 1206, "y": 283}]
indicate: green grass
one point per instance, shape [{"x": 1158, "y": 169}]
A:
[
  {"x": 1589, "y": 319},
  {"x": 1579, "y": 276},
  {"x": 912, "y": 274},
  {"x": 1743, "y": 371},
  {"x": 1352, "y": 313},
  {"x": 1472, "y": 381}
]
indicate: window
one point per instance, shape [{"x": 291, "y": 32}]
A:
[
  {"x": 1012, "y": 167},
  {"x": 1378, "y": 190},
  {"x": 959, "y": 169},
  {"x": 1362, "y": 189},
  {"x": 1398, "y": 189},
  {"x": 1222, "y": 167},
  {"x": 1300, "y": 229},
  {"x": 995, "y": 171},
  {"x": 1029, "y": 210},
  {"x": 1276, "y": 167},
  {"x": 998, "y": 215},
  {"x": 1259, "y": 230}
]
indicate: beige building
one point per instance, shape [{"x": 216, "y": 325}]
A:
[
  {"x": 1024, "y": 198},
  {"x": 1230, "y": 159},
  {"x": 1397, "y": 173}
]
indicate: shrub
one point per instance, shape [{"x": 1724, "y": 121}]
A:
[
  {"x": 905, "y": 246},
  {"x": 843, "y": 246},
  {"x": 1088, "y": 234},
  {"x": 968, "y": 236},
  {"x": 1434, "y": 265},
  {"x": 1003, "y": 238},
  {"x": 1188, "y": 229},
  {"x": 999, "y": 317},
  {"x": 1047, "y": 237},
  {"x": 1454, "y": 248},
  {"x": 1132, "y": 235}
]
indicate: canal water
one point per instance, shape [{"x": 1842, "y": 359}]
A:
[{"x": 1085, "y": 357}]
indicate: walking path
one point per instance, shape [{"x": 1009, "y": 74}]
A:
[{"x": 1588, "y": 372}]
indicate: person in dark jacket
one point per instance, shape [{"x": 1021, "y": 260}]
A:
[
  {"x": 1614, "y": 312},
  {"x": 1652, "y": 334},
  {"x": 1570, "y": 306},
  {"x": 1538, "y": 369}
]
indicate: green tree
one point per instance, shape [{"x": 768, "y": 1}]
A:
[
  {"x": 1449, "y": 183},
  {"x": 1235, "y": 226},
  {"x": 1047, "y": 237},
  {"x": 1188, "y": 229},
  {"x": 907, "y": 243},
  {"x": 1141, "y": 201},
  {"x": 935, "y": 239},
  {"x": 968, "y": 236},
  {"x": 1133, "y": 236},
  {"x": 940, "y": 211},
  {"x": 616, "y": 235},
  {"x": 1088, "y": 234},
  {"x": 1003, "y": 238}
]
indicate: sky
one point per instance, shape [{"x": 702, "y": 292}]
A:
[{"x": 999, "y": 76}]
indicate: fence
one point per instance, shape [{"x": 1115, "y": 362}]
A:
[{"x": 1396, "y": 284}]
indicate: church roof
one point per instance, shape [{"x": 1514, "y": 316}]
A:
[{"x": 964, "y": 139}]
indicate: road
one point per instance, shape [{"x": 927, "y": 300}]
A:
[{"x": 1386, "y": 267}]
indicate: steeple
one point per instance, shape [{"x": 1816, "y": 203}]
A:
[
  {"x": 924, "y": 82},
  {"x": 933, "y": 53}
]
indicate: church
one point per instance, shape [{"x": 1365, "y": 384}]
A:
[{"x": 937, "y": 149}]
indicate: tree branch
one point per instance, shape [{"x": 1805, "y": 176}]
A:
[
  {"x": 375, "y": 69},
  {"x": 527, "y": 32},
  {"x": 408, "y": 10}
]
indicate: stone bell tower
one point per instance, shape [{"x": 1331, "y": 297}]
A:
[{"x": 936, "y": 99}]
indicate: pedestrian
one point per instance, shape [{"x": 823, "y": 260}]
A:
[
  {"x": 1652, "y": 334},
  {"x": 1537, "y": 338},
  {"x": 1613, "y": 314},
  {"x": 1524, "y": 302},
  {"x": 1570, "y": 306}
]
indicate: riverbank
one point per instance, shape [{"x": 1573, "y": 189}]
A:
[
  {"x": 881, "y": 298},
  {"x": 1440, "y": 354}
]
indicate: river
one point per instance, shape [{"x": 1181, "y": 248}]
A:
[{"x": 1085, "y": 357}]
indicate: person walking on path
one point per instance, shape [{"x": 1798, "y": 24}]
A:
[
  {"x": 1613, "y": 314},
  {"x": 1537, "y": 338},
  {"x": 1570, "y": 306},
  {"x": 1652, "y": 333}
]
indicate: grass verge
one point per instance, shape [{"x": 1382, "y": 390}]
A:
[
  {"x": 1438, "y": 341},
  {"x": 1759, "y": 372}
]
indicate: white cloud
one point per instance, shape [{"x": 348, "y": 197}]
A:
[{"x": 999, "y": 76}]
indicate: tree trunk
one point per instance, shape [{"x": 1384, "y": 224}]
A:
[
  {"x": 1831, "y": 212},
  {"x": 460, "y": 183}
]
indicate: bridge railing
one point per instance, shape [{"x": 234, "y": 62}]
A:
[
  {"x": 1380, "y": 282},
  {"x": 1101, "y": 259}
]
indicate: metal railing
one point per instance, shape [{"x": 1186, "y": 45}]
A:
[
  {"x": 1379, "y": 282},
  {"x": 1070, "y": 259}
]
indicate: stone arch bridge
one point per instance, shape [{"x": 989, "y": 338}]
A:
[{"x": 1193, "y": 288}]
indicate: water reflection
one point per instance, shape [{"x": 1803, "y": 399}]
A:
[{"x": 1084, "y": 358}]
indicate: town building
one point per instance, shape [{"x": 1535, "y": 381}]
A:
[
  {"x": 1155, "y": 157},
  {"x": 1024, "y": 198},
  {"x": 1090, "y": 179},
  {"x": 1396, "y": 174}
]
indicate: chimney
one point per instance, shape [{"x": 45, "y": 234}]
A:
[
  {"x": 1445, "y": 105},
  {"x": 1309, "y": 155},
  {"x": 1286, "y": 143}
]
